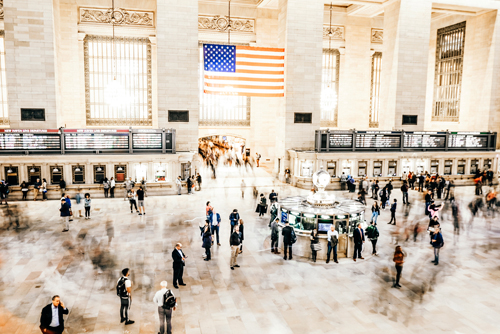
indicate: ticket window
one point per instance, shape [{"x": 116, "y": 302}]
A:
[
  {"x": 420, "y": 167},
  {"x": 331, "y": 168},
  {"x": 341, "y": 224},
  {"x": 78, "y": 174},
  {"x": 461, "y": 167},
  {"x": 362, "y": 168},
  {"x": 160, "y": 174},
  {"x": 34, "y": 172},
  {"x": 56, "y": 174},
  {"x": 308, "y": 222},
  {"x": 12, "y": 176},
  {"x": 377, "y": 168},
  {"x": 434, "y": 166},
  {"x": 120, "y": 173},
  {"x": 141, "y": 171},
  {"x": 393, "y": 168},
  {"x": 406, "y": 167},
  {"x": 306, "y": 169},
  {"x": 99, "y": 173},
  {"x": 487, "y": 164},
  {"x": 448, "y": 164},
  {"x": 474, "y": 163},
  {"x": 346, "y": 168}
]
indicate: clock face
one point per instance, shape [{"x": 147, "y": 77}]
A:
[{"x": 321, "y": 179}]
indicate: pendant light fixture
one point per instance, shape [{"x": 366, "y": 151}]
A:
[{"x": 9, "y": 170}]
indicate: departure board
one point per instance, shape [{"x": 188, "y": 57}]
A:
[
  {"x": 28, "y": 140},
  {"x": 464, "y": 140},
  {"x": 146, "y": 141},
  {"x": 96, "y": 139},
  {"x": 424, "y": 140},
  {"x": 378, "y": 140},
  {"x": 338, "y": 140}
]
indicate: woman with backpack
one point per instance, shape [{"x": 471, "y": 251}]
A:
[
  {"x": 207, "y": 241},
  {"x": 372, "y": 234},
  {"x": 86, "y": 204},
  {"x": 315, "y": 245}
]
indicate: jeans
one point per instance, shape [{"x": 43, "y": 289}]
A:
[
  {"x": 215, "y": 230},
  {"x": 44, "y": 196},
  {"x": 165, "y": 315},
  {"x": 393, "y": 217},
  {"x": 330, "y": 248},
  {"x": 399, "y": 269},
  {"x": 436, "y": 254},
  {"x": 133, "y": 203},
  {"x": 208, "y": 253},
  {"x": 106, "y": 191},
  {"x": 65, "y": 220},
  {"x": 405, "y": 197},
  {"x": 374, "y": 217},
  {"x": 234, "y": 254},
  {"x": 374, "y": 246},
  {"x": 125, "y": 307},
  {"x": 112, "y": 192},
  {"x": 274, "y": 244},
  {"x": 288, "y": 249},
  {"x": 87, "y": 211},
  {"x": 358, "y": 247},
  {"x": 25, "y": 194}
]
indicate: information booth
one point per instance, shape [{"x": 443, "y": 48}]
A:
[
  {"x": 362, "y": 168},
  {"x": 448, "y": 164},
  {"x": 377, "y": 168},
  {"x": 474, "y": 165},
  {"x": 434, "y": 166},
  {"x": 12, "y": 175},
  {"x": 461, "y": 167},
  {"x": 331, "y": 168},
  {"x": 393, "y": 168}
]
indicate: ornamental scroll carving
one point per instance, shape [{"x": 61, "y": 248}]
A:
[
  {"x": 222, "y": 23},
  {"x": 377, "y": 36},
  {"x": 336, "y": 32},
  {"x": 1, "y": 9},
  {"x": 122, "y": 16}
]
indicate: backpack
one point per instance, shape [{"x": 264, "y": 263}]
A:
[
  {"x": 294, "y": 237},
  {"x": 169, "y": 300},
  {"x": 121, "y": 290},
  {"x": 218, "y": 218}
]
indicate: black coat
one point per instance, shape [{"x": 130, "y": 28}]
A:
[
  {"x": 286, "y": 232},
  {"x": 46, "y": 317},
  {"x": 359, "y": 236},
  {"x": 178, "y": 263}
]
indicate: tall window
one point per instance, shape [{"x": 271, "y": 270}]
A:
[
  {"x": 449, "y": 65},
  {"x": 128, "y": 99},
  {"x": 375, "y": 89},
  {"x": 4, "y": 115},
  {"x": 222, "y": 110},
  {"x": 330, "y": 88}
]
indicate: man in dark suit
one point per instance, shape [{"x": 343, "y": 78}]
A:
[
  {"x": 287, "y": 233},
  {"x": 359, "y": 239},
  {"x": 52, "y": 321},
  {"x": 179, "y": 261}
]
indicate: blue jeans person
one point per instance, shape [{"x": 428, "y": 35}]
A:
[
  {"x": 405, "y": 197},
  {"x": 374, "y": 217},
  {"x": 330, "y": 248},
  {"x": 215, "y": 229},
  {"x": 436, "y": 255}
]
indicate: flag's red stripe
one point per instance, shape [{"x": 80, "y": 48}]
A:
[
  {"x": 243, "y": 86},
  {"x": 253, "y": 48},
  {"x": 246, "y": 63},
  {"x": 243, "y": 79}
]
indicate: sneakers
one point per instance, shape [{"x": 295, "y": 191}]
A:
[
  {"x": 232, "y": 268},
  {"x": 65, "y": 230},
  {"x": 129, "y": 322},
  {"x": 237, "y": 265},
  {"x": 140, "y": 214}
]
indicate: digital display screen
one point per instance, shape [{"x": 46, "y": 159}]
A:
[
  {"x": 96, "y": 139},
  {"x": 467, "y": 141},
  {"x": 377, "y": 140},
  {"x": 324, "y": 227},
  {"x": 423, "y": 140},
  {"x": 340, "y": 140},
  {"x": 284, "y": 217},
  {"x": 29, "y": 139},
  {"x": 146, "y": 141}
]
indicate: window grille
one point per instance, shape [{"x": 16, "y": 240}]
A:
[
  {"x": 4, "y": 115},
  {"x": 330, "y": 88},
  {"x": 132, "y": 95},
  {"x": 222, "y": 110},
  {"x": 375, "y": 89},
  {"x": 448, "y": 72}
]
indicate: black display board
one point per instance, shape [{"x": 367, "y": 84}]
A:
[
  {"x": 467, "y": 140},
  {"x": 92, "y": 140},
  {"x": 424, "y": 140},
  {"x": 147, "y": 139},
  {"x": 30, "y": 140},
  {"x": 378, "y": 140}
]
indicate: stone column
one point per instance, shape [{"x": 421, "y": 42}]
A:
[
  {"x": 30, "y": 60},
  {"x": 407, "y": 26},
  {"x": 178, "y": 66}
]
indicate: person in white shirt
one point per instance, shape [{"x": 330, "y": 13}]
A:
[
  {"x": 164, "y": 314},
  {"x": 333, "y": 240},
  {"x": 179, "y": 185},
  {"x": 243, "y": 185},
  {"x": 112, "y": 185},
  {"x": 126, "y": 298}
]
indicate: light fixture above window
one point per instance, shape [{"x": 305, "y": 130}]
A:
[
  {"x": 120, "y": 169},
  {"x": 32, "y": 170},
  {"x": 9, "y": 170},
  {"x": 55, "y": 170},
  {"x": 77, "y": 169},
  {"x": 99, "y": 169}
]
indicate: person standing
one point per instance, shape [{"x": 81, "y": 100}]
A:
[
  {"x": 36, "y": 188},
  {"x": 129, "y": 186},
  {"x": 144, "y": 185},
  {"x": 164, "y": 314},
  {"x": 375, "y": 189},
  {"x": 140, "y": 200},
  {"x": 207, "y": 241},
  {"x": 178, "y": 183},
  {"x": 198, "y": 180},
  {"x": 393, "y": 212},
  {"x": 421, "y": 180},
  {"x": 51, "y": 319},
  {"x": 234, "y": 218},
  {"x": 262, "y": 206},
  {"x": 86, "y": 204},
  {"x": 179, "y": 261},
  {"x": 79, "y": 203},
  {"x": 44, "y": 189},
  {"x": 68, "y": 200},
  {"x": 437, "y": 242},
  {"x": 65, "y": 214},
  {"x": 333, "y": 240},
  {"x": 257, "y": 158},
  {"x": 398, "y": 260},
  {"x": 105, "y": 185},
  {"x": 124, "y": 291},
  {"x": 4, "y": 191},
  {"x": 241, "y": 232},
  {"x": 375, "y": 212},
  {"x": 24, "y": 190},
  {"x": 189, "y": 184},
  {"x": 315, "y": 245},
  {"x": 234, "y": 241},
  {"x": 112, "y": 185},
  {"x": 62, "y": 186},
  {"x": 404, "y": 190},
  {"x": 288, "y": 237},
  {"x": 273, "y": 197},
  {"x": 132, "y": 201},
  {"x": 275, "y": 236},
  {"x": 343, "y": 181},
  {"x": 359, "y": 239},
  {"x": 372, "y": 234}
]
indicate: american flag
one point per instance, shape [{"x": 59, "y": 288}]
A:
[{"x": 243, "y": 70}]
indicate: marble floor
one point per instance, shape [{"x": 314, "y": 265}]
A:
[{"x": 265, "y": 295}]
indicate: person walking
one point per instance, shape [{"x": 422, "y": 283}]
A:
[
  {"x": 375, "y": 189},
  {"x": 36, "y": 188},
  {"x": 288, "y": 239},
  {"x": 129, "y": 186},
  {"x": 257, "y": 158},
  {"x": 262, "y": 206},
  {"x": 393, "y": 212},
  {"x": 79, "y": 203},
  {"x": 404, "y": 190},
  {"x": 383, "y": 197},
  {"x": 241, "y": 232},
  {"x": 214, "y": 223},
  {"x": 178, "y": 183},
  {"x": 359, "y": 239},
  {"x": 275, "y": 236},
  {"x": 243, "y": 185},
  {"x": 51, "y": 319},
  {"x": 179, "y": 261},
  {"x": 437, "y": 242},
  {"x": 144, "y": 185},
  {"x": 333, "y": 240},
  {"x": 4, "y": 191},
  {"x": 375, "y": 212},
  {"x": 112, "y": 185},
  {"x": 273, "y": 197},
  {"x": 65, "y": 214},
  {"x": 86, "y": 204},
  {"x": 234, "y": 241},
  {"x": 398, "y": 260},
  {"x": 105, "y": 185},
  {"x": 132, "y": 201},
  {"x": 189, "y": 185},
  {"x": 162, "y": 297},
  {"x": 124, "y": 291},
  {"x": 44, "y": 189},
  {"x": 372, "y": 234},
  {"x": 140, "y": 200},
  {"x": 343, "y": 181},
  {"x": 62, "y": 186},
  {"x": 206, "y": 237},
  {"x": 234, "y": 218},
  {"x": 315, "y": 245},
  {"x": 24, "y": 190}
]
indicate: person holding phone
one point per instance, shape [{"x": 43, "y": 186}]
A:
[{"x": 51, "y": 320}]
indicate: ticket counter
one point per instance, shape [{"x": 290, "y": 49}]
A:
[
  {"x": 434, "y": 166},
  {"x": 346, "y": 167},
  {"x": 377, "y": 168},
  {"x": 474, "y": 165},
  {"x": 306, "y": 169},
  {"x": 12, "y": 175},
  {"x": 331, "y": 168},
  {"x": 461, "y": 167},
  {"x": 393, "y": 168},
  {"x": 487, "y": 164},
  {"x": 361, "y": 168},
  {"x": 448, "y": 164},
  {"x": 160, "y": 173}
]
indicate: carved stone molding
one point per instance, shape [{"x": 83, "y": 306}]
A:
[
  {"x": 1, "y": 9},
  {"x": 122, "y": 16},
  {"x": 221, "y": 23},
  {"x": 4, "y": 121},
  {"x": 377, "y": 35},
  {"x": 337, "y": 32}
]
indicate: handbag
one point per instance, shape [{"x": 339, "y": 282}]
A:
[{"x": 316, "y": 247}]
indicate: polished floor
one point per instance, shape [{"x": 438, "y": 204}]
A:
[{"x": 265, "y": 295}]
